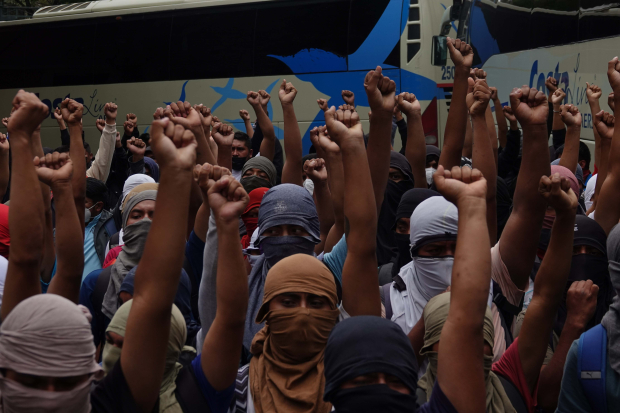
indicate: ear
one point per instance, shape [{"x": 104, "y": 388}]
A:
[
  {"x": 251, "y": 154},
  {"x": 99, "y": 206},
  {"x": 582, "y": 164}
]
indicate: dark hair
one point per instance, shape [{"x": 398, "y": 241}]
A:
[
  {"x": 62, "y": 149},
  {"x": 87, "y": 148},
  {"x": 559, "y": 152},
  {"x": 245, "y": 138},
  {"x": 307, "y": 158},
  {"x": 96, "y": 191},
  {"x": 145, "y": 138},
  {"x": 584, "y": 154}
]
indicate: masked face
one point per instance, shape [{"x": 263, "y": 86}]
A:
[
  {"x": 373, "y": 398},
  {"x": 403, "y": 244},
  {"x": 309, "y": 185},
  {"x": 252, "y": 259},
  {"x": 88, "y": 215},
  {"x": 277, "y": 248},
  {"x": 238, "y": 162},
  {"x": 111, "y": 354},
  {"x": 434, "y": 274},
  {"x": 253, "y": 182},
  {"x": 429, "y": 175}
]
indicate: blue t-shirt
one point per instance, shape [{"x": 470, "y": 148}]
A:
[
  {"x": 219, "y": 401},
  {"x": 194, "y": 253},
  {"x": 438, "y": 403},
  {"x": 91, "y": 259},
  {"x": 86, "y": 294}
]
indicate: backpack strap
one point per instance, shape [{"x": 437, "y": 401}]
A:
[
  {"x": 114, "y": 240},
  {"x": 385, "y": 273},
  {"x": 591, "y": 366},
  {"x": 110, "y": 228},
  {"x": 240, "y": 401},
  {"x": 384, "y": 293},
  {"x": 513, "y": 395},
  {"x": 188, "y": 392}
]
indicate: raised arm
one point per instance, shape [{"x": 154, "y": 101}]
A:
[
  {"x": 483, "y": 157},
  {"x": 64, "y": 133},
  {"x": 221, "y": 350},
  {"x": 72, "y": 114},
  {"x": 27, "y": 210},
  {"x": 157, "y": 278},
  {"x": 100, "y": 169},
  {"x": 557, "y": 98},
  {"x": 572, "y": 119},
  {"x": 416, "y": 144},
  {"x": 604, "y": 124},
  {"x": 460, "y": 347},
  {"x": 607, "y": 212},
  {"x": 5, "y": 172},
  {"x": 551, "y": 278},
  {"x": 268, "y": 145},
  {"x": 594, "y": 93},
  {"x": 316, "y": 170},
  {"x": 462, "y": 56},
  {"x": 223, "y": 136},
  {"x": 348, "y": 97},
  {"x": 291, "y": 173},
  {"x": 245, "y": 115},
  {"x": 360, "y": 295},
  {"x": 189, "y": 117},
  {"x": 502, "y": 125},
  {"x": 519, "y": 240},
  {"x": 55, "y": 171},
  {"x": 381, "y": 92},
  {"x": 611, "y": 101},
  {"x": 468, "y": 143}
]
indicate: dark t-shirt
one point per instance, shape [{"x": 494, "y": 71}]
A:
[
  {"x": 112, "y": 395},
  {"x": 438, "y": 403}
]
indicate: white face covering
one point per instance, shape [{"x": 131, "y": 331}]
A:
[
  {"x": 309, "y": 185},
  {"x": 429, "y": 175},
  {"x": 111, "y": 354},
  {"x": 17, "y": 398},
  {"x": 433, "y": 275},
  {"x": 253, "y": 259}
]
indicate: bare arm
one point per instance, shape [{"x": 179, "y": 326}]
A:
[
  {"x": 460, "y": 347},
  {"x": 572, "y": 118},
  {"x": 5, "y": 172},
  {"x": 157, "y": 278},
  {"x": 502, "y": 125},
  {"x": 316, "y": 170},
  {"x": 72, "y": 114},
  {"x": 381, "y": 91},
  {"x": 462, "y": 56},
  {"x": 192, "y": 118},
  {"x": 556, "y": 100},
  {"x": 519, "y": 240},
  {"x": 550, "y": 280},
  {"x": 291, "y": 172},
  {"x": 223, "y": 136},
  {"x": 415, "y": 152},
  {"x": 100, "y": 168},
  {"x": 360, "y": 295},
  {"x": 221, "y": 350},
  {"x": 268, "y": 145},
  {"x": 27, "y": 210},
  {"x": 468, "y": 143},
  {"x": 246, "y": 121}
]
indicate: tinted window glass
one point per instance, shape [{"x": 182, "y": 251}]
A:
[
  {"x": 364, "y": 16},
  {"x": 598, "y": 19},
  {"x": 555, "y": 24},
  {"x": 294, "y": 38},
  {"x": 12, "y": 46},
  {"x": 136, "y": 51},
  {"x": 214, "y": 42}
]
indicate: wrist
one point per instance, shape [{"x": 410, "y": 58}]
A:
[
  {"x": 111, "y": 121},
  {"x": 412, "y": 114},
  {"x": 461, "y": 70},
  {"x": 471, "y": 203},
  {"x": 556, "y": 107},
  {"x": 574, "y": 128},
  {"x": 514, "y": 125},
  {"x": 575, "y": 324},
  {"x": 61, "y": 186}
]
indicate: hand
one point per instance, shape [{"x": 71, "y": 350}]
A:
[
  {"x": 245, "y": 115},
  {"x": 461, "y": 54},
  {"x": 581, "y": 303},
  {"x": 479, "y": 74},
  {"x": 264, "y": 98},
  {"x": 552, "y": 85},
  {"x": 315, "y": 170},
  {"x": 613, "y": 74},
  {"x": 611, "y": 101},
  {"x": 216, "y": 119},
  {"x": 227, "y": 198},
  {"x": 180, "y": 109},
  {"x": 558, "y": 193},
  {"x": 132, "y": 117},
  {"x": 604, "y": 124},
  {"x": 529, "y": 106},
  {"x": 223, "y": 134},
  {"x": 129, "y": 126},
  {"x": 344, "y": 127},
  {"x": 287, "y": 93},
  {"x": 205, "y": 117},
  {"x": 137, "y": 148},
  {"x": 71, "y": 111},
  {"x": 571, "y": 116},
  {"x": 4, "y": 143},
  {"x": 159, "y": 113},
  {"x": 407, "y": 103},
  {"x": 381, "y": 91},
  {"x": 254, "y": 99},
  {"x": 593, "y": 92},
  {"x": 478, "y": 97},
  {"x": 509, "y": 114},
  {"x": 118, "y": 144},
  {"x": 460, "y": 183},
  {"x": 100, "y": 124},
  {"x": 54, "y": 168},
  {"x": 348, "y": 97},
  {"x": 110, "y": 110},
  {"x": 493, "y": 93},
  {"x": 320, "y": 139},
  {"x": 558, "y": 97},
  {"x": 322, "y": 104},
  {"x": 29, "y": 113},
  {"x": 189, "y": 118},
  {"x": 173, "y": 145},
  {"x": 5, "y": 122},
  {"x": 57, "y": 114}
]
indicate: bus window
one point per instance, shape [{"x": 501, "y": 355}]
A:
[
  {"x": 212, "y": 42},
  {"x": 138, "y": 49},
  {"x": 301, "y": 37},
  {"x": 598, "y": 19},
  {"x": 12, "y": 45},
  {"x": 555, "y": 24},
  {"x": 365, "y": 14}
]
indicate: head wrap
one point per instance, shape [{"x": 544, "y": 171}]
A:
[
  {"x": 289, "y": 204},
  {"x": 588, "y": 267},
  {"x": 153, "y": 166},
  {"x": 398, "y": 161},
  {"x": 5, "y": 237},
  {"x": 589, "y": 192},
  {"x": 43, "y": 322},
  {"x": 134, "y": 198},
  {"x": 364, "y": 345},
  {"x": 432, "y": 150},
  {"x": 96, "y": 191},
  {"x": 133, "y": 181},
  {"x": 611, "y": 320},
  {"x": 566, "y": 173},
  {"x": 265, "y": 165},
  {"x": 256, "y": 196},
  {"x": 435, "y": 316},
  {"x": 578, "y": 172},
  {"x": 176, "y": 340},
  {"x": 286, "y": 371},
  {"x": 435, "y": 219}
]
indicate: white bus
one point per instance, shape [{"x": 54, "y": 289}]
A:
[{"x": 142, "y": 54}]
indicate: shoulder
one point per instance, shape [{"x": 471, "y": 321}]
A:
[{"x": 112, "y": 394}]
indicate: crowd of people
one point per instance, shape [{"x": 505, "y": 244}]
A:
[{"x": 194, "y": 269}]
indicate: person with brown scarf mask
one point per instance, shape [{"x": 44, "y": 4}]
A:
[{"x": 299, "y": 310}]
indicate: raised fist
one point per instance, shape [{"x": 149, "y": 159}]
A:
[
  {"x": 322, "y": 104},
  {"x": 100, "y": 124},
  {"x": 159, "y": 113},
  {"x": 611, "y": 102},
  {"x": 264, "y": 98},
  {"x": 129, "y": 126},
  {"x": 5, "y": 122},
  {"x": 132, "y": 117},
  {"x": 54, "y": 168},
  {"x": 173, "y": 145},
  {"x": 529, "y": 106},
  {"x": 180, "y": 109},
  {"x": 223, "y": 134},
  {"x": 552, "y": 85},
  {"x": 581, "y": 301},
  {"x": 558, "y": 97},
  {"x": 348, "y": 97},
  {"x": 71, "y": 111},
  {"x": 57, "y": 114},
  {"x": 381, "y": 91},
  {"x": 593, "y": 92},
  {"x": 478, "y": 97},
  {"x": 493, "y": 93},
  {"x": 227, "y": 198},
  {"x": 460, "y": 183},
  {"x": 461, "y": 54},
  {"x": 558, "y": 193},
  {"x": 315, "y": 169},
  {"x": 136, "y": 147},
  {"x": 110, "y": 110},
  {"x": 244, "y": 114},
  {"x": 613, "y": 74},
  {"x": 344, "y": 126},
  {"x": 604, "y": 124},
  {"x": 509, "y": 114},
  {"x": 205, "y": 116},
  {"x": 254, "y": 99},
  {"x": 320, "y": 139},
  {"x": 4, "y": 143},
  {"x": 29, "y": 113},
  {"x": 407, "y": 103},
  {"x": 571, "y": 116},
  {"x": 287, "y": 93}
]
